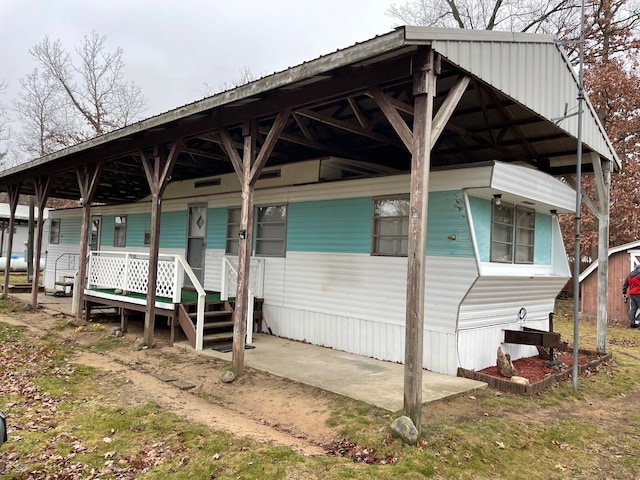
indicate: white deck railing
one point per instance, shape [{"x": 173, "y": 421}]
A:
[
  {"x": 129, "y": 272},
  {"x": 229, "y": 284}
]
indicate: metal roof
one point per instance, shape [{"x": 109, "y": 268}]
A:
[
  {"x": 519, "y": 85},
  {"x": 620, "y": 248}
]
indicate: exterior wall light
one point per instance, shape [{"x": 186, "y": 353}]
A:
[{"x": 497, "y": 198}]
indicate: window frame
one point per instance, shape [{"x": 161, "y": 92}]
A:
[
  {"x": 232, "y": 236},
  {"x": 54, "y": 239},
  {"x": 518, "y": 231},
  {"x": 375, "y": 237},
  {"x": 258, "y": 231},
  {"x": 116, "y": 228}
]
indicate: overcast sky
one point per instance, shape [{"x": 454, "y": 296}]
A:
[{"x": 172, "y": 48}]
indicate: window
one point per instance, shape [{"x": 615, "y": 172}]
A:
[
  {"x": 271, "y": 230},
  {"x": 390, "y": 226},
  {"x": 120, "y": 232},
  {"x": 233, "y": 231},
  {"x": 512, "y": 234},
  {"x": 54, "y": 231}
]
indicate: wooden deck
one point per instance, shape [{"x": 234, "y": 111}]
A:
[{"x": 129, "y": 303}]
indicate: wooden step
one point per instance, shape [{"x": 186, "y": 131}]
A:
[
  {"x": 213, "y": 313},
  {"x": 218, "y": 324},
  {"x": 218, "y": 336}
]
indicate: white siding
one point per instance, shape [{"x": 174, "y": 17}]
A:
[
  {"x": 497, "y": 300},
  {"x": 533, "y": 185},
  {"x": 362, "y": 286},
  {"x": 356, "y": 303},
  {"x": 447, "y": 281}
]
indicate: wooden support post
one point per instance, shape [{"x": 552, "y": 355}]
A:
[
  {"x": 602, "y": 173},
  {"x": 248, "y": 170},
  {"x": 88, "y": 177},
  {"x": 158, "y": 171},
  {"x": 424, "y": 85},
  {"x": 42, "y": 185},
  {"x": 244, "y": 249},
  {"x": 14, "y": 195}
]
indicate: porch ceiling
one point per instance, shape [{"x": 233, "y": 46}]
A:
[{"x": 332, "y": 114}]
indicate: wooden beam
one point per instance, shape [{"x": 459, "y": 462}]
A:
[
  {"x": 268, "y": 145},
  {"x": 14, "y": 196},
  {"x": 585, "y": 197},
  {"x": 231, "y": 151},
  {"x": 287, "y": 137},
  {"x": 395, "y": 119},
  {"x": 346, "y": 126},
  {"x": 303, "y": 128},
  {"x": 446, "y": 109},
  {"x": 532, "y": 337},
  {"x": 424, "y": 86},
  {"x": 41, "y": 186},
  {"x": 362, "y": 120},
  {"x": 158, "y": 170}
]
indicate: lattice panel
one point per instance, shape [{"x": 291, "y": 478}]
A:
[
  {"x": 108, "y": 272},
  {"x": 166, "y": 276},
  {"x": 138, "y": 277}
]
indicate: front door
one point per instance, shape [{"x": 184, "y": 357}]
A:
[
  {"x": 94, "y": 234},
  {"x": 196, "y": 239}
]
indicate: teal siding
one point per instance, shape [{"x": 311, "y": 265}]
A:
[
  {"x": 106, "y": 233},
  {"x": 447, "y": 216},
  {"x": 70, "y": 230},
  {"x": 173, "y": 229},
  {"x": 542, "y": 246},
  {"x": 217, "y": 228},
  {"x": 345, "y": 226},
  {"x": 481, "y": 214},
  {"x": 137, "y": 224},
  {"x": 330, "y": 226}
]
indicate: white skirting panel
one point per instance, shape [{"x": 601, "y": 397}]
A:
[
  {"x": 369, "y": 338},
  {"x": 353, "y": 335},
  {"x": 440, "y": 352},
  {"x": 478, "y": 347}
]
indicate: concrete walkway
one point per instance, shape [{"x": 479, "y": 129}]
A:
[{"x": 372, "y": 381}]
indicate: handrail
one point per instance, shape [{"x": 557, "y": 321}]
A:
[
  {"x": 201, "y": 298},
  {"x": 224, "y": 292}
]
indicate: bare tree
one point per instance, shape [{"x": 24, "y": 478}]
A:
[
  {"x": 93, "y": 86},
  {"x": 5, "y": 131},
  {"x": 511, "y": 15},
  {"x": 245, "y": 75},
  {"x": 45, "y": 117}
]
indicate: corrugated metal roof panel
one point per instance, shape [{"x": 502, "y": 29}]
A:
[{"x": 530, "y": 69}]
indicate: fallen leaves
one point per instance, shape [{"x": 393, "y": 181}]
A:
[{"x": 344, "y": 448}]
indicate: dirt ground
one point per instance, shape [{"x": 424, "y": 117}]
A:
[{"x": 257, "y": 405}]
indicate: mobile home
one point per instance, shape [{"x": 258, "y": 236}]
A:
[{"x": 324, "y": 173}]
